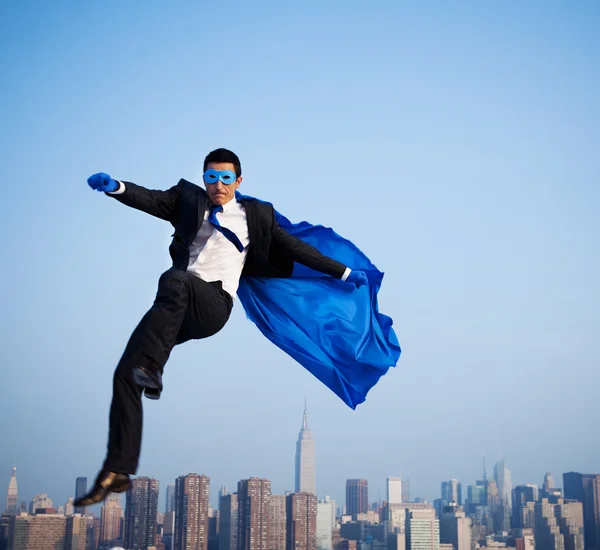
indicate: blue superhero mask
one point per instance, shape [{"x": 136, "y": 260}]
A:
[{"x": 227, "y": 177}]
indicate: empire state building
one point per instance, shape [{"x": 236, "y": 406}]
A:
[{"x": 306, "y": 479}]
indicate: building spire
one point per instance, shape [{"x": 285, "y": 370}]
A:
[
  {"x": 305, "y": 416},
  {"x": 484, "y": 472}
]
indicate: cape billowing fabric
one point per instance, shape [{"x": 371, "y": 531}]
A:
[{"x": 329, "y": 326}]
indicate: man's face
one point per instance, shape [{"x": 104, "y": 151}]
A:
[{"x": 220, "y": 193}]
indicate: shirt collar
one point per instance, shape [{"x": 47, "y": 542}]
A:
[{"x": 229, "y": 205}]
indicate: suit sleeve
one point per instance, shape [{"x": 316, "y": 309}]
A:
[
  {"x": 306, "y": 254},
  {"x": 162, "y": 204}
]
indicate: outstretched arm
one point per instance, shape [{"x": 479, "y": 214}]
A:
[
  {"x": 162, "y": 204},
  {"x": 306, "y": 254}
]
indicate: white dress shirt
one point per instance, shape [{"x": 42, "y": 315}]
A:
[{"x": 213, "y": 257}]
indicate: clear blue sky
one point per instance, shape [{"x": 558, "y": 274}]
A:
[{"x": 467, "y": 132}]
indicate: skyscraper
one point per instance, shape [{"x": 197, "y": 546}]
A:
[
  {"x": 394, "y": 490},
  {"x": 254, "y": 497},
  {"x": 170, "y": 500},
  {"x": 110, "y": 519},
  {"x": 455, "y": 528},
  {"x": 39, "y": 532},
  {"x": 357, "y": 496},
  {"x": 277, "y": 523},
  {"x": 406, "y": 490},
  {"x": 12, "y": 497},
  {"x": 301, "y": 521},
  {"x": 80, "y": 490},
  {"x": 192, "y": 496},
  {"x": 306, "y": 479},
  {"x": 325, "y": 523},
  {"x": 76, "y": 533},
  {"x": 228, "y": 521},
  {"x": 140, "y": 513},
  {"x": 422, "y": 530},
  {"x": 451, "y": 492},
  {"x": 586, "y": 489},
  {"x": 503, "y": 479}
]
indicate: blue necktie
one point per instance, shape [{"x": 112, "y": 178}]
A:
[{"x": 231, "y": 236}]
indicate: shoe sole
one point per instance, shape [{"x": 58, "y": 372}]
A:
[{"x": 151, "y": 389}]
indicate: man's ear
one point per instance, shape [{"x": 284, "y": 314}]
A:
[{"x": 238, "y": 182}]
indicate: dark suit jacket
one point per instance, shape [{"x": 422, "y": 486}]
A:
[{"x": 272, "y": 251}]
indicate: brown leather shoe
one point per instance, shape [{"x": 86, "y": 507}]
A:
[{"x": 106, "y": 482}]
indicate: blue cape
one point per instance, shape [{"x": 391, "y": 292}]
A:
[{"x": 330, "y": 327}]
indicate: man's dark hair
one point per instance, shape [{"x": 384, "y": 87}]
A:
[{"x": 224, "y": 155}]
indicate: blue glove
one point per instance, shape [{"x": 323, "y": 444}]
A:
[
  {"x": 359, "y": 278},
  {"x": 103, "y": 182}
]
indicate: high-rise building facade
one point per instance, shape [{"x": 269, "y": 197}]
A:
[
  {"x": 192, "y": 500},
  {"x": 301, "y": 524},
  {"x": 451, "y": 492},
  {"x": 422, "y": 530},
  {"x": 325, "y": 523},
  {"x": 306, "y": 477},
  {"x": 80, "y": 490},
  {"x": 12, "y": 496},
  {"x": 76, "y": 533},
  {"x": 455, "y": 528},
  {"x": 504, "y": 482},
  {"x": 406, "y": 490},
  {"x": 141, "y": 508},
  {"x": 111, "y": 515},
  {"x": 39, "y": 532},
  {"x": 357, "y": 497},
  {"x": 277, "y": 523},
  {"x": 170, "y": 498},
  {"x": 228, "y": 521},
  {"x": 586, "y": 489},
  {"x": 394, "y": 490},
  {"x": 254, "y": 498}
]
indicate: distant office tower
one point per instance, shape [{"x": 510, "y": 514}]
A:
[
  {"x": 254, "y": 498},
  {"x": 357, "y": 497},
  {"x": 406, "y": 490},
  {"x": 110, "y": 518},
  {"x": 547, "y": 531},
  {"x": 80, "y": 490},
  {"x": 548, "y": 483},
  {"x": 394, "y": 490},
  {"x": 277, "y": 523},
  {"x": 422, "y": 530},
  {"x": 76, "y": 533},
  {"x": 476, "y": 497},
  {"x": 170, "y": 498},
  {"x": 451, "y": 492},
  {"x": 40, "y": 502},
  {"x": 325, "y": 523},
  {"x": 39, "y": 532},
  {"x": 223, "y": 492},
  {"x": 228, "y": 521},
  {"x": 12, "y": 497},
  {"x": 192, "y": 499},
  {"x": 503, "y": 479},
  {"x": 69, "y": 509},
  {"x": 306, "y": 479},
  {"x": 301, "y": 524},
  {"x": 525, "y": 497},
  {"x": 586, "y": 489},
  {"x": 455, "y": 528},
  {"x": 141, "y": 506}
]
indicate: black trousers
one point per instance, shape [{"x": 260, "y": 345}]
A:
[{"x": 185, "y": 308}]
